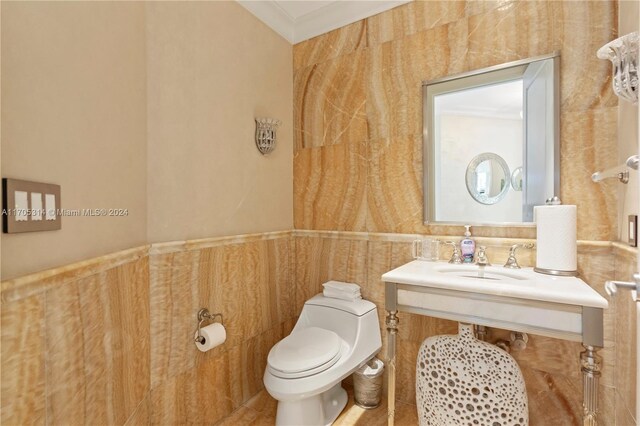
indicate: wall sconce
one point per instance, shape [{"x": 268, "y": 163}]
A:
[
  {"x": 623, "y": 54},
  {"x": 266, "y": 134}
]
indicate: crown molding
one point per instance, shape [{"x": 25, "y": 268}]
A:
[
  {"x": 319, "y": 21},
  {"x": 339, "y": 14},
  {"x": 271, "y": 14}
]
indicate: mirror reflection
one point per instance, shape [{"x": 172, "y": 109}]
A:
[
  {"x": 488, "y": 178},
  {"x": 491, "y": 143},
  {"x": 516, "y": 179}
]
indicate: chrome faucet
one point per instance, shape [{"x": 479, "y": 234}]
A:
[
  {"x": 481, "y": 257},
  {"x": 456, "y": 257},
  {"x": 512, "y": 262}
]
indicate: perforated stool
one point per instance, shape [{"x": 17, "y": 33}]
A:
[{"x": 461, "y": 380}]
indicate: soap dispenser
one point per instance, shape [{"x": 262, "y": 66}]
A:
[{"x": 467, "y": 246}]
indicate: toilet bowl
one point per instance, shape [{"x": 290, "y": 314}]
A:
[{"x": 331, "y": 340}]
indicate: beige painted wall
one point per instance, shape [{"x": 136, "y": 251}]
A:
[
  {"x": 73, "y": 113},
  {"x": 628, "y": 143},
  {"x": 213, "y": 67},
  {"x": 148, "y": 107}
]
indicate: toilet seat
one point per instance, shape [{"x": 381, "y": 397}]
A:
[{"x": 304, "y": 353}]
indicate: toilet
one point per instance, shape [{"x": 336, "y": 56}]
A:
[{"x": 331, "y": 340}]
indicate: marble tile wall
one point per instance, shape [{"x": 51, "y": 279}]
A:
[
  {"x": 625, "y": 337},
  {"x": 357, "y": 108},
  {"x": 75, "y": 344},
  {"x": 550, "y": 366},
  {"x": 115, "y": 332},
  {"x": 110, "y": 340},
  {"x": 251, "y": 283}
]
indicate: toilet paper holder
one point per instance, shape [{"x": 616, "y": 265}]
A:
[{"x": 204, "y": 315}]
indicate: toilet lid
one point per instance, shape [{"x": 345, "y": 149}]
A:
[{"x": 305, "y": 350}]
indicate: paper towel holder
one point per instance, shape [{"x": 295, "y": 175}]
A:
[
  {"x": 555, "y": 201},
  {"x": 204, "y": 315},
  {"x": 555, "y": 272}
]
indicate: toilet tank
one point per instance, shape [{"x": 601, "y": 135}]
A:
[{"x": 350, "y": 320}]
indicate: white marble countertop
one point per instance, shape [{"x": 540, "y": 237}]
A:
[{"x": 516, "y": 283}]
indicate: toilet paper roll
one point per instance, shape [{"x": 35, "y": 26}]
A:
[
  {"x": 214, "y": 335},
  {"x": 556, "y": 238}
]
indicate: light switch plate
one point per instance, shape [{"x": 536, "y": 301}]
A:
[
  {"x": 632, "y": 230},
  {"x": 22, "y": 206},
  {"x": 36, "y": 206}
]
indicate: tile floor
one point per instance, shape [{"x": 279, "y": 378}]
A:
[{"x": 261, "y": 410}]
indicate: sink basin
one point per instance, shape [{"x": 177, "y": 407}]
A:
[{"x": 476, "y": 272}]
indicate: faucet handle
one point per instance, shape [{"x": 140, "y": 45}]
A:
[
  {"x": 512, "y": 262},
  {"x": 456, "y": 257},
  {"x": 481, "y": 257}
]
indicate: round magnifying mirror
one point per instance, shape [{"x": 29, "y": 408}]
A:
[
  {"x": 516, "y": 179},
  {"x": 488, "y": 178}
]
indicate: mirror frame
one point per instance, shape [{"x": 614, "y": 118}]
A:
[
  {"x": 471, "y": 178},
  {"x": 480, "y": 77}
]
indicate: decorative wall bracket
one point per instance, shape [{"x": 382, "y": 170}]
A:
[
  {"x": 266, "y": 134},
  {"x": 623, "y": 54}
]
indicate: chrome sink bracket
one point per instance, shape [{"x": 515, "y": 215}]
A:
[
  {"x": 591, "y": 363},
  {"x": 391, "y": 306},
  {"x": 480, "y": 332}
]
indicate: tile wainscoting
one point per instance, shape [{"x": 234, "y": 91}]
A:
[
  {"x": 625, "y": 337},
  {"x": 550, "y": 366},
  {"x": 75, "y": 342},
  {"x": 249, "y": 282},
  {"x": 110, "y": 339}
]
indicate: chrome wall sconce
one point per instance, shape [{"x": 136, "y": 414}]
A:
[{"x": 266, "y": 134}]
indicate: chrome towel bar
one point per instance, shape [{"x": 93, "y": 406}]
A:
[{"x": 621, "y": 172}]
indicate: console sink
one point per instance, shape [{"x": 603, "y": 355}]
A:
[
  {"x": 511, "y": 299},
  {"x": 496, "y": 281}
]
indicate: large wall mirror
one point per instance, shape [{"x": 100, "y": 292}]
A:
[{"x": 491, "y": 143}]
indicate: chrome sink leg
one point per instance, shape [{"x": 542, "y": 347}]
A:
[
  {"x": 392, "y": 330},
  {"x": 590, "y": 363}
]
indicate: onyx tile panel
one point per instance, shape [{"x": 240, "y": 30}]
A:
[{"x": 23, "y": 362}]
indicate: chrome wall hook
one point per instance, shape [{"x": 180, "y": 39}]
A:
[{"x": 204, "y": 315}]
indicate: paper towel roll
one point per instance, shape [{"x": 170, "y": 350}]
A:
[
  {"x": 556, "y": 241},
  {"x": 214, "y": 335}
]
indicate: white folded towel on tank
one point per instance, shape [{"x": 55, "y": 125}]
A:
[
  {"x": 339, "y": 295},
  {"x": 344, "y": 291},
  {"x": 344, "y": 287}
]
